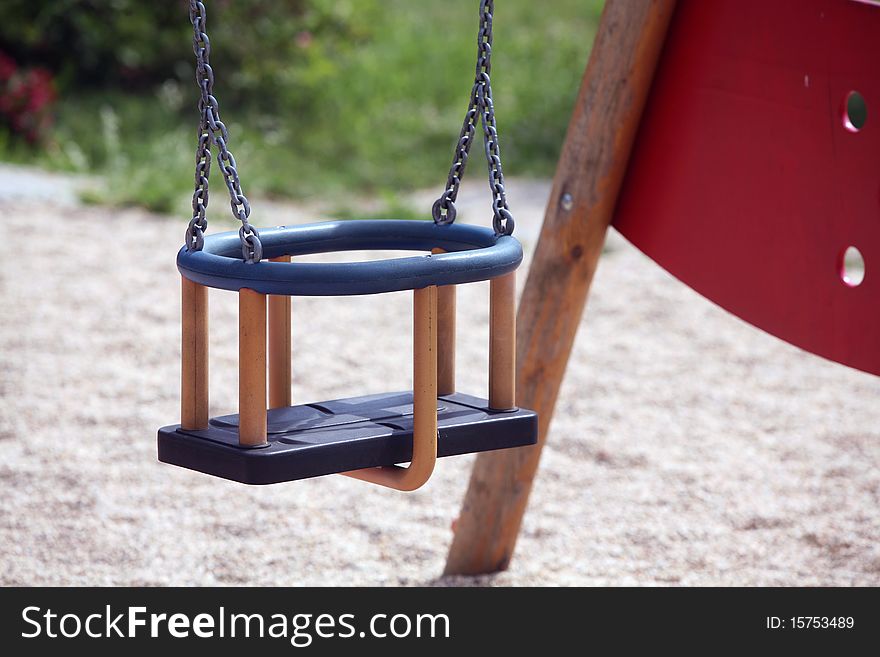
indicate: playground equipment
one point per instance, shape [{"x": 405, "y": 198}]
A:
[
  {"x": 735, "y": 142},
  {"x": 362, "y": 437}
]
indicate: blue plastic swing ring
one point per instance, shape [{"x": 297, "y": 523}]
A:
[{"x": 473, "y": 253}]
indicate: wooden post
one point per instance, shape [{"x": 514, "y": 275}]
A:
[
  {"x": 424, "y": 454},
  {"x": 445, "y": 338},
  {"x": 251, "y": 367},
  {"x": 279, "y": 348},
  {"x": 588, "y": 178},
  {"x": 193, "y": 355},
  {"x": 502, "y": 342}
]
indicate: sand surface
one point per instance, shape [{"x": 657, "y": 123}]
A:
[{"x": 687, "y": 447}]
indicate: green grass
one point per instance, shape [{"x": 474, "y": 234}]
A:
[
  {"x": 390, "y": 206},
  {"x": 382, "y": 116}
]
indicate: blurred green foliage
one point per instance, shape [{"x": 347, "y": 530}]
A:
[{"x": 337, "y": 97}]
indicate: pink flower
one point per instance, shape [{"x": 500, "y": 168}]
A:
[
  {"x": 26, "y": 99},
  {"x": 7, "y": 67}
]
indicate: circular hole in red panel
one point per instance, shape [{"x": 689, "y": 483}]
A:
[
  {"x": 855, "y": 111},
  {"x": 852, "y": 266}
]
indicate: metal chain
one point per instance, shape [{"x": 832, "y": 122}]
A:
[
  {"x": 213, "y": 131},
  {"x": 480, "y": 105}
]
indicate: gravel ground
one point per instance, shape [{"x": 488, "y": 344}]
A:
[{"x": 687, "y": 447}]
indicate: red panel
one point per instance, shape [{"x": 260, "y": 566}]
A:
[{"x": 744, "y": 182}]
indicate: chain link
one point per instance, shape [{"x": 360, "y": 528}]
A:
[
  {"x": 213, "y": 131},
  {"x": 480, "y": 106}
]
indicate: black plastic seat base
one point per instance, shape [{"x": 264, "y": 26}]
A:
[{"x": 341, "y": 435}]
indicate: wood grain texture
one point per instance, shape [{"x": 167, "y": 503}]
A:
[
  {"x": 446, "y": 309},
  {"x": 591, "y": 169},
  {"x": 251, "y": 367},
  {"x": 280, "y": 364},
  {"x": 193, "y": 355},
  {"x": 502, "y": 342}
]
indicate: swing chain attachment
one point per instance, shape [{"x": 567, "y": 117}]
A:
[
  {"x": 480, "y": 106},
  {"x": 213, "y": 130}
]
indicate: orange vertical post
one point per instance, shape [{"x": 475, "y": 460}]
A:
[
  {"x": 193, "y": 355},
  {"x": 251, "y": 368},
  {"x": 279, "y": 348}
]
